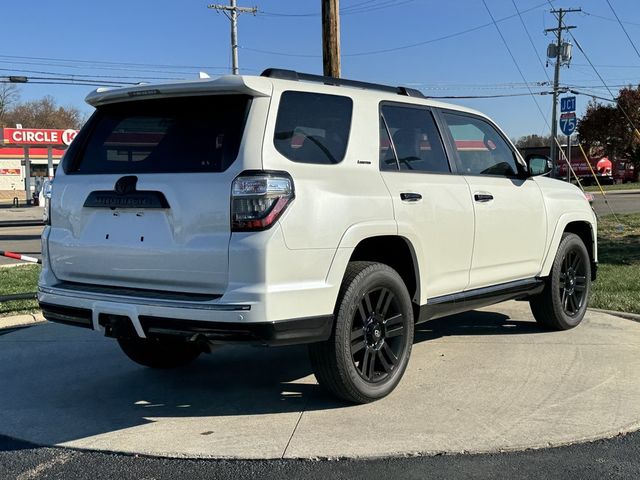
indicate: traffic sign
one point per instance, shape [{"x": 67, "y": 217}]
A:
[
  {"x": 568, "y": 104},
  {"x": 568, "y": 123}
]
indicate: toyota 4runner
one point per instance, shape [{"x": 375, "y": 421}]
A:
[{"x": 291, "y": 208}]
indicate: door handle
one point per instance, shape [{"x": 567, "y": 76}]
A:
[
  {"x": 482, "y": 197},
  {"x": 410, "y": 197}
]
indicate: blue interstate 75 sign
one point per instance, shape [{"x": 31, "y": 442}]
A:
[
  {"x": 568, "y": 123},
  {"x": 568, "y": 104}
]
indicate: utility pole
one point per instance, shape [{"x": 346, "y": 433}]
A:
[
  {"x": 331, "y": 38},
  {"x": 232, "y": 11},
  {"x": 561, "y": 51}
]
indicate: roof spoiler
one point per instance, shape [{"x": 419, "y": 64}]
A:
[{"x": 253, "y": 86}]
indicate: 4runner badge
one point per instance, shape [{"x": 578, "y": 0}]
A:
[{"x": 125, "y": 195}]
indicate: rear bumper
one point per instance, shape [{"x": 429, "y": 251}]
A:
[{"x": 283, "y": 332}]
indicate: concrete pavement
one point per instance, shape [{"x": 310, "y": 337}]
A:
[
  {"x": 21, "y": 216},
  {"x": 484, "y": 381}
]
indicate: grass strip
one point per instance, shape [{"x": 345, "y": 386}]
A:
[
  {"x": 618, "y": 283},
  {"x": 21, "y": 279}
]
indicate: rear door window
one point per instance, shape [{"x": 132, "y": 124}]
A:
[
  {"x": 188, "y": 134},
  {"x": 410, "y": 141},
  {"x": 313, "y": 127}
]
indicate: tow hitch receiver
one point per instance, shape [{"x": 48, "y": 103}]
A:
[{"x": 117, "y": 326}]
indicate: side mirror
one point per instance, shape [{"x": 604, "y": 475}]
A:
[{"x": 538, "y": 164}]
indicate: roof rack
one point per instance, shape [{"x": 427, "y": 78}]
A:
[{"x": 308, "y": 77}]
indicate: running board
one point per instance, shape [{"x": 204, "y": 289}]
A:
[{"x": 480, "y": 297}]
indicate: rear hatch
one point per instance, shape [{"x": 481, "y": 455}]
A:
[{"x": 143, "y": 200}]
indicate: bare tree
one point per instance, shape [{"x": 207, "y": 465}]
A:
[
  {"x": 533, "y": 141},
  {"x": 9, "y": 95},
  {"x": 44, "y": 113}
]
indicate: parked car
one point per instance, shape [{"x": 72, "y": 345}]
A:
[
  {"x": 290, "y": 208},
  {"x": 44, "y": 199}
]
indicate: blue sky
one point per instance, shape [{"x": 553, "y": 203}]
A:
[{"x": 175, "y": 39}]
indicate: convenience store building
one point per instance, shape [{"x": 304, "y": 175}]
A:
[{"x": 30, "y": 155}]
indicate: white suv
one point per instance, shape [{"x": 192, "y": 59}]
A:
[{"x": 292, "y": 208}]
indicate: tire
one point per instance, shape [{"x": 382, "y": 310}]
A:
[
  {"x": 162, "y": 354},
  {"x": 369, "y": 348},
  {"x": 563, "y": 302}
]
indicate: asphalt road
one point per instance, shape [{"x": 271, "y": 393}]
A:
[
  {"x": 24, "y": 240},
  {"x": 627, "y": 202},
  {"x": 617, "y": 458}
]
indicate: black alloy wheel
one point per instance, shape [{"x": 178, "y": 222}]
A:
[
  {"x": 369, "y": 348},
  {"x": 563, "y": 302},
  {"x": 573, "y": 282},
  {"x": 377, "y": 335}
]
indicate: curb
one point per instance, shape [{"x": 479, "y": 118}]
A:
[
  {"x": 26, "y": 320},
  {"x": 12, "y": 265},
  {"x": 21, "y": 223},
  {"x": 629, "y": 316}
]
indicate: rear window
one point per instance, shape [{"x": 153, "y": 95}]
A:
[
  {"x": 313, "y": 127},
  {"x": 188, "y": 134}
]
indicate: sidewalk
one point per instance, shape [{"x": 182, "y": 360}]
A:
[{"x": 20, "y": 216}]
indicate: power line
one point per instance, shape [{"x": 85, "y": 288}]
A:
[
  {"x": 623, "y": 29},
  {"x": 401, "y": 47},
  {"x": 607, "y": 66},
  {"x": 515, "y": 62},
  {"x": 102, "y": 62},
  {"x": 524, "y": 25},
  {"x": 54, "y": 82},
  {"x": 67, "y": 74},
  {"x": 349, "y": 10},
  {"x": 499, "y": 95},
  {"x": 609, "y": 19},
  {"x": 97, "y": 78}
]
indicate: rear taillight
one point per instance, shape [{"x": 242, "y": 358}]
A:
[{"x": 258, "y": 199}]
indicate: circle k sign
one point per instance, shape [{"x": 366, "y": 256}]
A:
[
  {"x": 42, "y": 137},
  {"x": 68, "y": 135}
]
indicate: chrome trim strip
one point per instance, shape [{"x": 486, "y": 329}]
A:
[{"x": 228, "y": 307}]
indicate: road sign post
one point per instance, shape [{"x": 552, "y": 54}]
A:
[{"x": 569, "y": 158}]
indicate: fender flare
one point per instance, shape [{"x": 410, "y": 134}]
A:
[
  {"x": 357, "y": 233},
  {"x": 564, "y": 220}
]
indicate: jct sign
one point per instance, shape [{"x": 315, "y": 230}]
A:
[{"x": 36, "y": 136}]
